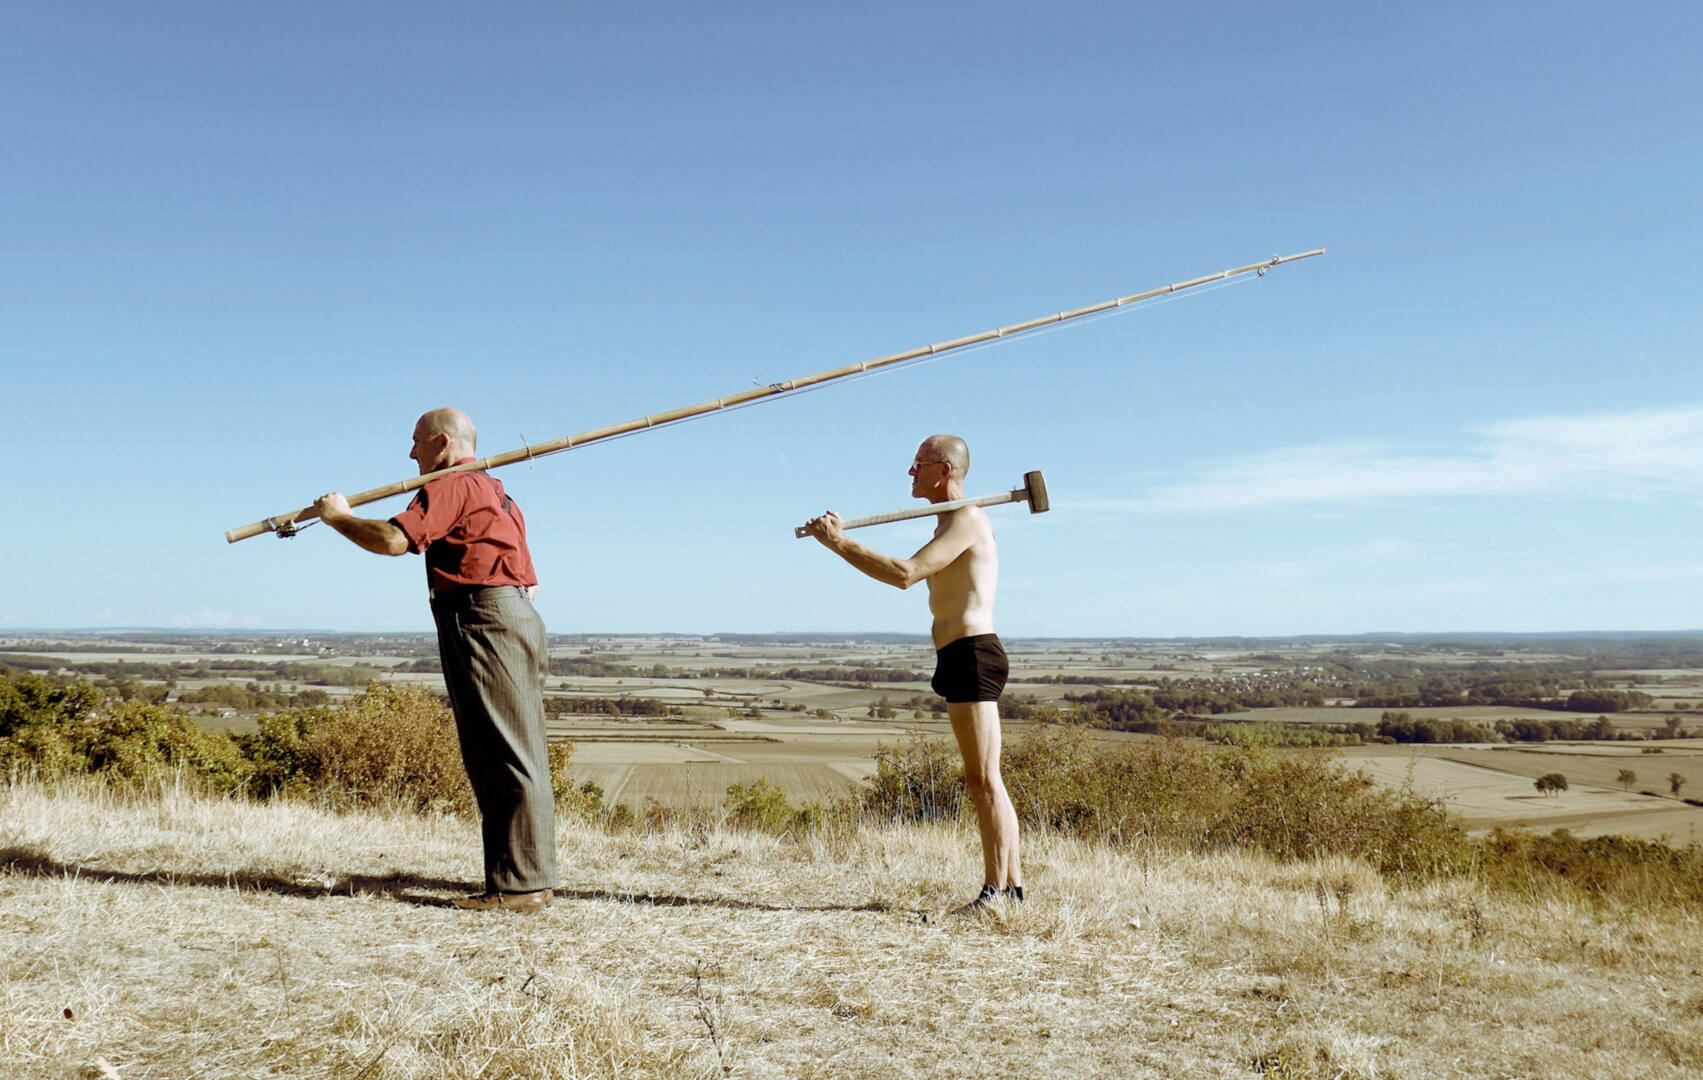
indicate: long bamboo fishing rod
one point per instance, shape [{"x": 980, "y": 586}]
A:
[{"x": 286, "y": 524}]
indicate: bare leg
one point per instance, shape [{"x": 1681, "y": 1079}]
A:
[{"x": 976, "y": 726}]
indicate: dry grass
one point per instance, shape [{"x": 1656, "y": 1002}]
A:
[{"x": 167, "y": 934}]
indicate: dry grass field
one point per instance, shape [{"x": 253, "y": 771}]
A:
[
  {"x": 1483, "y": 715},
  {"x": 170, "y": 935},
  {"x": 1490, "y": 787},
  {"x": 680, "y": 765},
  {"x": 692, "y": 765}
]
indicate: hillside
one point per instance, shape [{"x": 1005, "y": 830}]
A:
[{"x": 174, "y": 935}]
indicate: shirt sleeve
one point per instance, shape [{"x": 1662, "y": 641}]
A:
[{"x": 431, "y": 515}]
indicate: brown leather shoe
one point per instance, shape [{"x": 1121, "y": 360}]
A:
[{"x": 523, "y": 902}]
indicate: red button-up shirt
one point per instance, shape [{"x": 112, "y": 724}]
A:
[{"x": 470, "y": 531}]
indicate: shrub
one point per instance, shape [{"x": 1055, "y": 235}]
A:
[
  {"x": 394, "y": 745},
  {"x": 64, "y": 729},
  {"x": 584, "y": 801},
  {"x": 760, "y": 804},
  {"x": 922, "y": 779},
  {"x": 1299, "y": 806},
  {"x": 31, "y": 700},
  {"x": 1062, "y": 778},
  {"x": 41, "y": 748},
  {"x": 655, "y": 816},
  {"x": 140, "y": 742},
  {"x": 279, "y": 750},
  {"x": 1186, "y": 796},
  {"x": 1602, "y": 868}
]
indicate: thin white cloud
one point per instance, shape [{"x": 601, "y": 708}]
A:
[
  {"x": 1606, "y": 455},
  {"x": 1389, "y": 548},
  {"x": 208, "y": 619}
]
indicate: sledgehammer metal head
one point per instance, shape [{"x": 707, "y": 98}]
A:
[{"x": 1033, "y": 492}]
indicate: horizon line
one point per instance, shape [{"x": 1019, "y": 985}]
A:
[{"x": 863, "y": 634}]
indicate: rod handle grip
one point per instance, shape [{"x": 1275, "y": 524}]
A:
[{"x": 243, "y": 532}]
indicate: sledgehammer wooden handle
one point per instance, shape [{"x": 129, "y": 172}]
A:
[{"x": 1033, "y": 492}]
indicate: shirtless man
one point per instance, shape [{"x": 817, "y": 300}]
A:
[{"x": 961, "y": 566}]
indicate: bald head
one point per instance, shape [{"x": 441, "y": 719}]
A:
[
  {"x": 443, "y": 437},
  {"x": 937, "y": 473},
  {"x": 454, "y": 423},
  {"x": 950, "y": 449}
]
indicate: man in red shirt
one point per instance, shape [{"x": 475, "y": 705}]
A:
[{"x": 479, "y": 573}]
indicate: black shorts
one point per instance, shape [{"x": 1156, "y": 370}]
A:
[{"x": 971, "y": 669}]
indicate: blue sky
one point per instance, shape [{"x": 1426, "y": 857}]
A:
[{"x": 243, "y": 246}]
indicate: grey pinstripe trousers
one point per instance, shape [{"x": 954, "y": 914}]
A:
[{"x": 492, "y": 645}]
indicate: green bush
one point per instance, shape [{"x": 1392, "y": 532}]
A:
[
  {"x": 1291, "y": 805},
  {"x": 59, "y": 729},
  {"x": 761, "y": 804},
  {"x": 584, "y": 801},
  {"x": 279, "y": 749},
  {"x": 33, "y": 701},
  {"x": 921, "y": 779},
  {"x": 45, "y": 749},
  {"x": 142, "y": 742},
  {"x": 1602, "y": 868},
  {"x": 1065, "y": 779},
  {"x": 1183, "y": 795},
  {"x": 393, "y": 745},
  {"x": 1300, "y": 806},
  {"x": 127, "y": 742}
]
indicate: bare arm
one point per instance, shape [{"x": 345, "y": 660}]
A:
[
  {"x": 378, "y": 537},
  {"x": 934, "y": 556}
]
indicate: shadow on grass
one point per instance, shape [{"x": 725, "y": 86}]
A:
[
  {"x": 664, "y": 900},
  {"x": 35, "y": 862},
  {"x": 403, "y": 888}
]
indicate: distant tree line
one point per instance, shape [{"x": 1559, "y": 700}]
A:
[
  {"x": 1403, "y": 727},
  {"x": 592, "y": 667},
  {"x": 1518, "y": 686},
  {"x": 1254, "y": 735},
  {"x": 253, "y": 696},
  {"x": 1139, "y": 710},
  {"x": 1380, "y": 684},
  {"x": 1602, "y": 701},
  {"x": 81, "y": 646},
  {"x": 855, "y": 674},
  {"x": 315, "y": 673},
  {"x": 564, "y": 705},
  {"x": 24, "y": 664}
]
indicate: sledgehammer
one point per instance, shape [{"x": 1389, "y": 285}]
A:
[{"x": 1033, "y": 492}]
